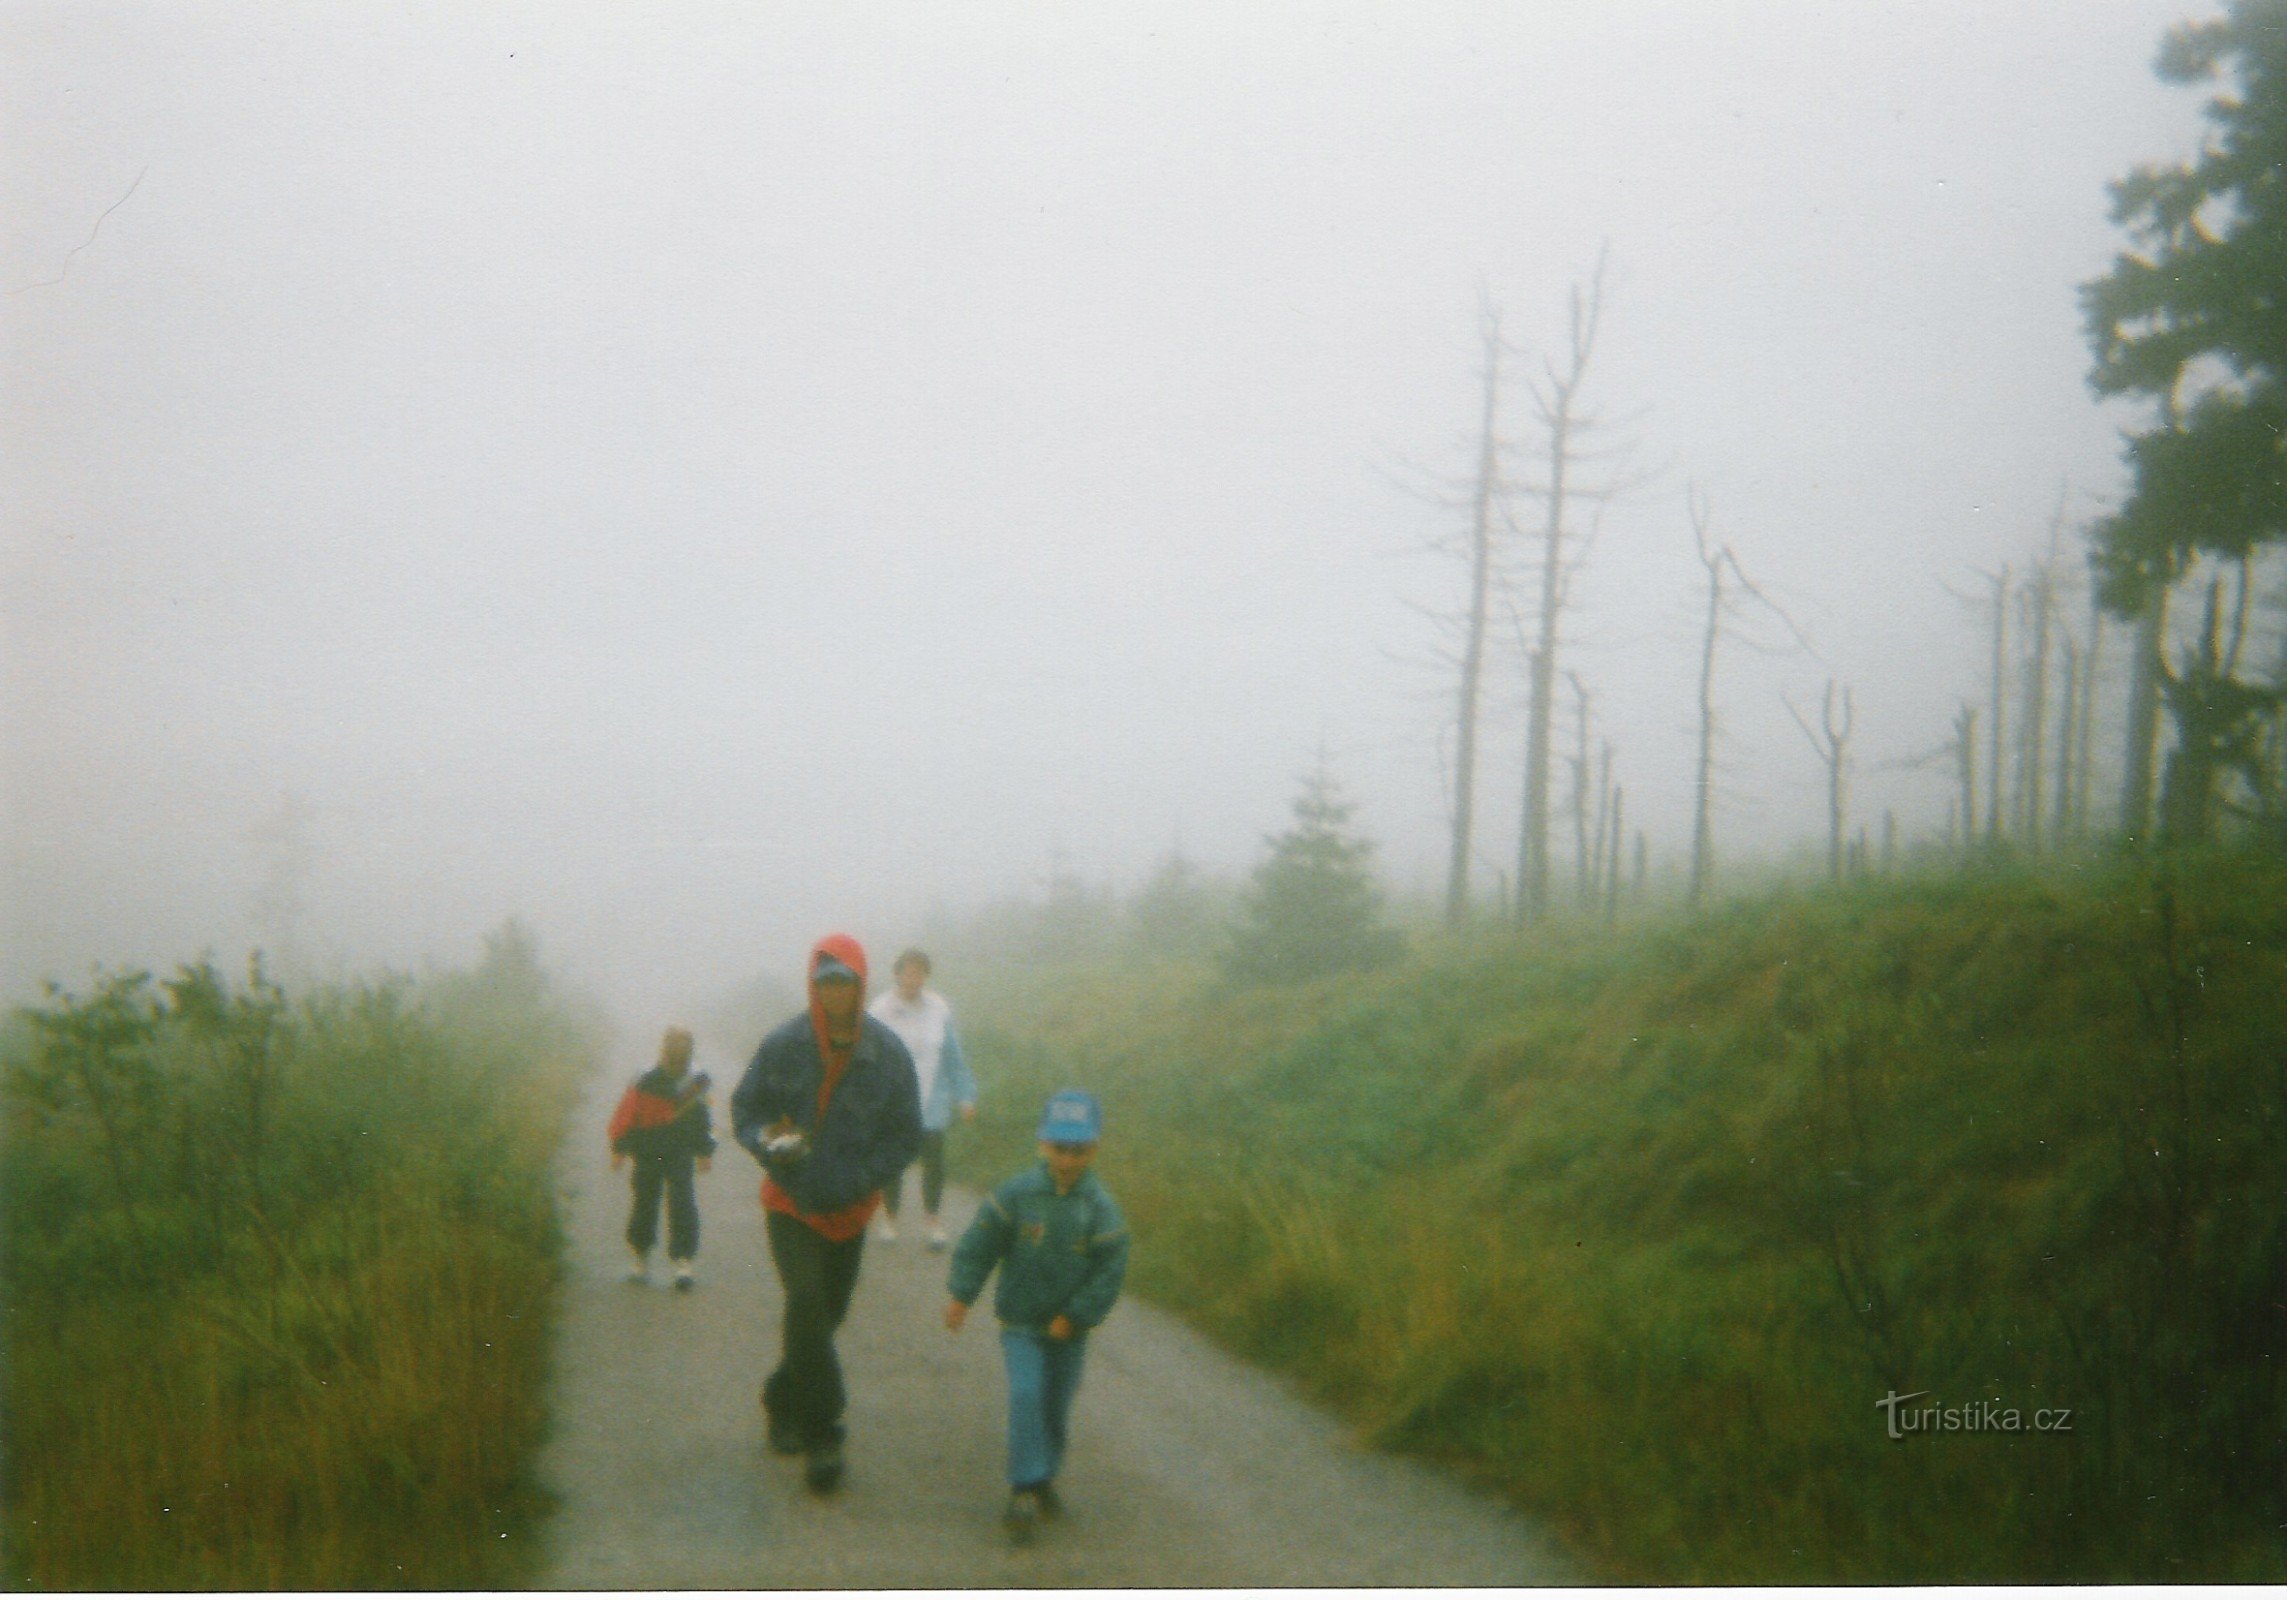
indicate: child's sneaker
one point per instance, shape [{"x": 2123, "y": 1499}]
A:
[
  {"x": 1022, "y": 1518},
  {"x": 685, "y": 1279},
  {"x": 642, "y": 1271}
]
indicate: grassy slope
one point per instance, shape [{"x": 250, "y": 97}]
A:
[{"x": 1638, "y": 1227}]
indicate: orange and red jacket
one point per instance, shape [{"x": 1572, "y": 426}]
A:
[{"x": 659, "y": 1117}]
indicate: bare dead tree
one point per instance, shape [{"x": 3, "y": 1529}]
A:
[
  {"x": 1719, "y": 560},
  {"x": 2038, "y": 600},
  {"x": 2068, "y": 739},
  {"x": 1831, "y": 739},
  {"x": 1965, "y": 763},
  {"x": 1714, "y": 559},
  {"x": 1473, "y": 641},
  {"x": 1598, "y": 850},
  {"x": 1583, "y": 863},
  {"x": 1612, "y": 876},
  {"x": 2000, "y": 581},
  {"x": 1568, "y": 427},
  {"x": 2086, "y": 764}
]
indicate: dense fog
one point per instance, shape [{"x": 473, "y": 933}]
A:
[{"x": 693, "y": 476}]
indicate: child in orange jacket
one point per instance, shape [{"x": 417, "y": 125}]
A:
[{"x": 662, "y": 1121}]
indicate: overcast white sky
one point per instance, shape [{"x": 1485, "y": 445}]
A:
[{"x": 699, "y": 474}]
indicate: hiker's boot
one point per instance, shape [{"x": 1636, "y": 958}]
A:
[
  {"x": 1022, "y": 1518},
  {"x": 937, "y": 1239},
  {"x": 641, "y": 1273},
  {"x": 824, "y": 1472},
  {"x": 784, "y": 1438},
  {"x": 888, "y": 1228},
  {"x": 1051, "y": 1506},
  {"x": 685, "y": 1279}
]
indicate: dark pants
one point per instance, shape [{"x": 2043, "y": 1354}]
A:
[
  {"x": 932, "y": 1175},
  {"x": 672, "y": 1177},
  {"x": 817, "y": 1274}
]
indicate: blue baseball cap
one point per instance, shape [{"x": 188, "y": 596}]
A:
[
  {"x": 1071, "y": 1116},
  {"x": 832, "y": 969}
]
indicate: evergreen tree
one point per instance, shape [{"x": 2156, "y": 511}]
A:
[
  {"x": 1312, "y": 907},
  {"x": 2194, "y": 317}
]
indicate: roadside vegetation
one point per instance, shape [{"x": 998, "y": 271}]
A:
[
  {"x": 279, "y": 1277},
  {"x": 1638, "y": 1225}
]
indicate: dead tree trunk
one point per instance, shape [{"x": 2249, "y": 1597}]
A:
[
  {"x": 1995, "y": 766},
  {"x": 1703, "y": 787},
  {"x": 2146, "y": 670},
  {"x": 1965, "y": 760},
  {"x": 1601, "y": 848},
  {"x": 1831, "y": 739},
  {"x": 2082, "y": 777},
  {"x": 1473, "y": 641},
  {"x": 2031, "y": 737},
  {"x": 1612, "y": 875},
  {"x": 1559, "y": 405},
  {"x": 1584, "y": 866},
  {"x": 2068, "y": 741}
]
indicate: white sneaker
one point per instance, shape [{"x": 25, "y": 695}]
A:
[
  {"x": 888, "y": 1228},
  {"x": 937, "y": 1239},
  {"x": 642, "y": 1272},
  {"x": 685, "y": 1278}
]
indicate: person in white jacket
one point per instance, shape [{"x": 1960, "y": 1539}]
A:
[{"x": 919, "y": 1016}]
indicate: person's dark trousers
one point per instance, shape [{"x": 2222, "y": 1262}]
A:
[
  {"x": 670, "y": 1178},
  {"x": 817, "y": 1275},
  {"x": 932, "y": 1163}
]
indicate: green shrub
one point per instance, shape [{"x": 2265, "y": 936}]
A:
[{"x": 278, "y": 1279}]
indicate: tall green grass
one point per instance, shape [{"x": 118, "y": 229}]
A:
[
  {"x": 278, "y": 1279},
  {"x": 1638, "y": 1227}
]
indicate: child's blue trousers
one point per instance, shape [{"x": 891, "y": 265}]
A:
[{"x": 1044, "y": 1375}]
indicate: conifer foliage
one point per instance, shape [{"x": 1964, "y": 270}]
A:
[
  {"x": 2193, "y": 318},
  {"x": 1312, "y": 907}
]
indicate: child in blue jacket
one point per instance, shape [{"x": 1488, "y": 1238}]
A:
[{"x": 1062, "y": 1248}]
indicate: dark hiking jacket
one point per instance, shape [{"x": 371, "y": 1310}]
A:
[
  {"x": 1059, "y": 1254},
  {"x": 871, "y": 1130}
]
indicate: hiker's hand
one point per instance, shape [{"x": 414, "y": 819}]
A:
[
  {"x": 1060, "y": 1327},
  {"x": 785, "y": 1149},
  {"x": 706, "y": 1163},
  {"x": 969, "y": 1112},
  {"x": 955, "y": 1314}
]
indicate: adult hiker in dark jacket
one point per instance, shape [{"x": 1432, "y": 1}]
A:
[
  {"x": 662, "y": 1124},
  {"x": 831, "y": 1109}
]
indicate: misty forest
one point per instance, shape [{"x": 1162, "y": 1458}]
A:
[{"x": 1619, "y": 679}]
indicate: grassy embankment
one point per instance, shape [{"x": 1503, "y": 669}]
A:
[
  {"x": 278, "y": 1280},
  {"x": 1638, "y": 1227}
]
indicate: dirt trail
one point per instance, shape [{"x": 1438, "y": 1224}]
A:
[{"x": 1186, "y": 1467}]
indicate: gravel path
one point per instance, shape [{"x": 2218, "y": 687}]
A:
[{"x": 1186, "y": 1468}]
